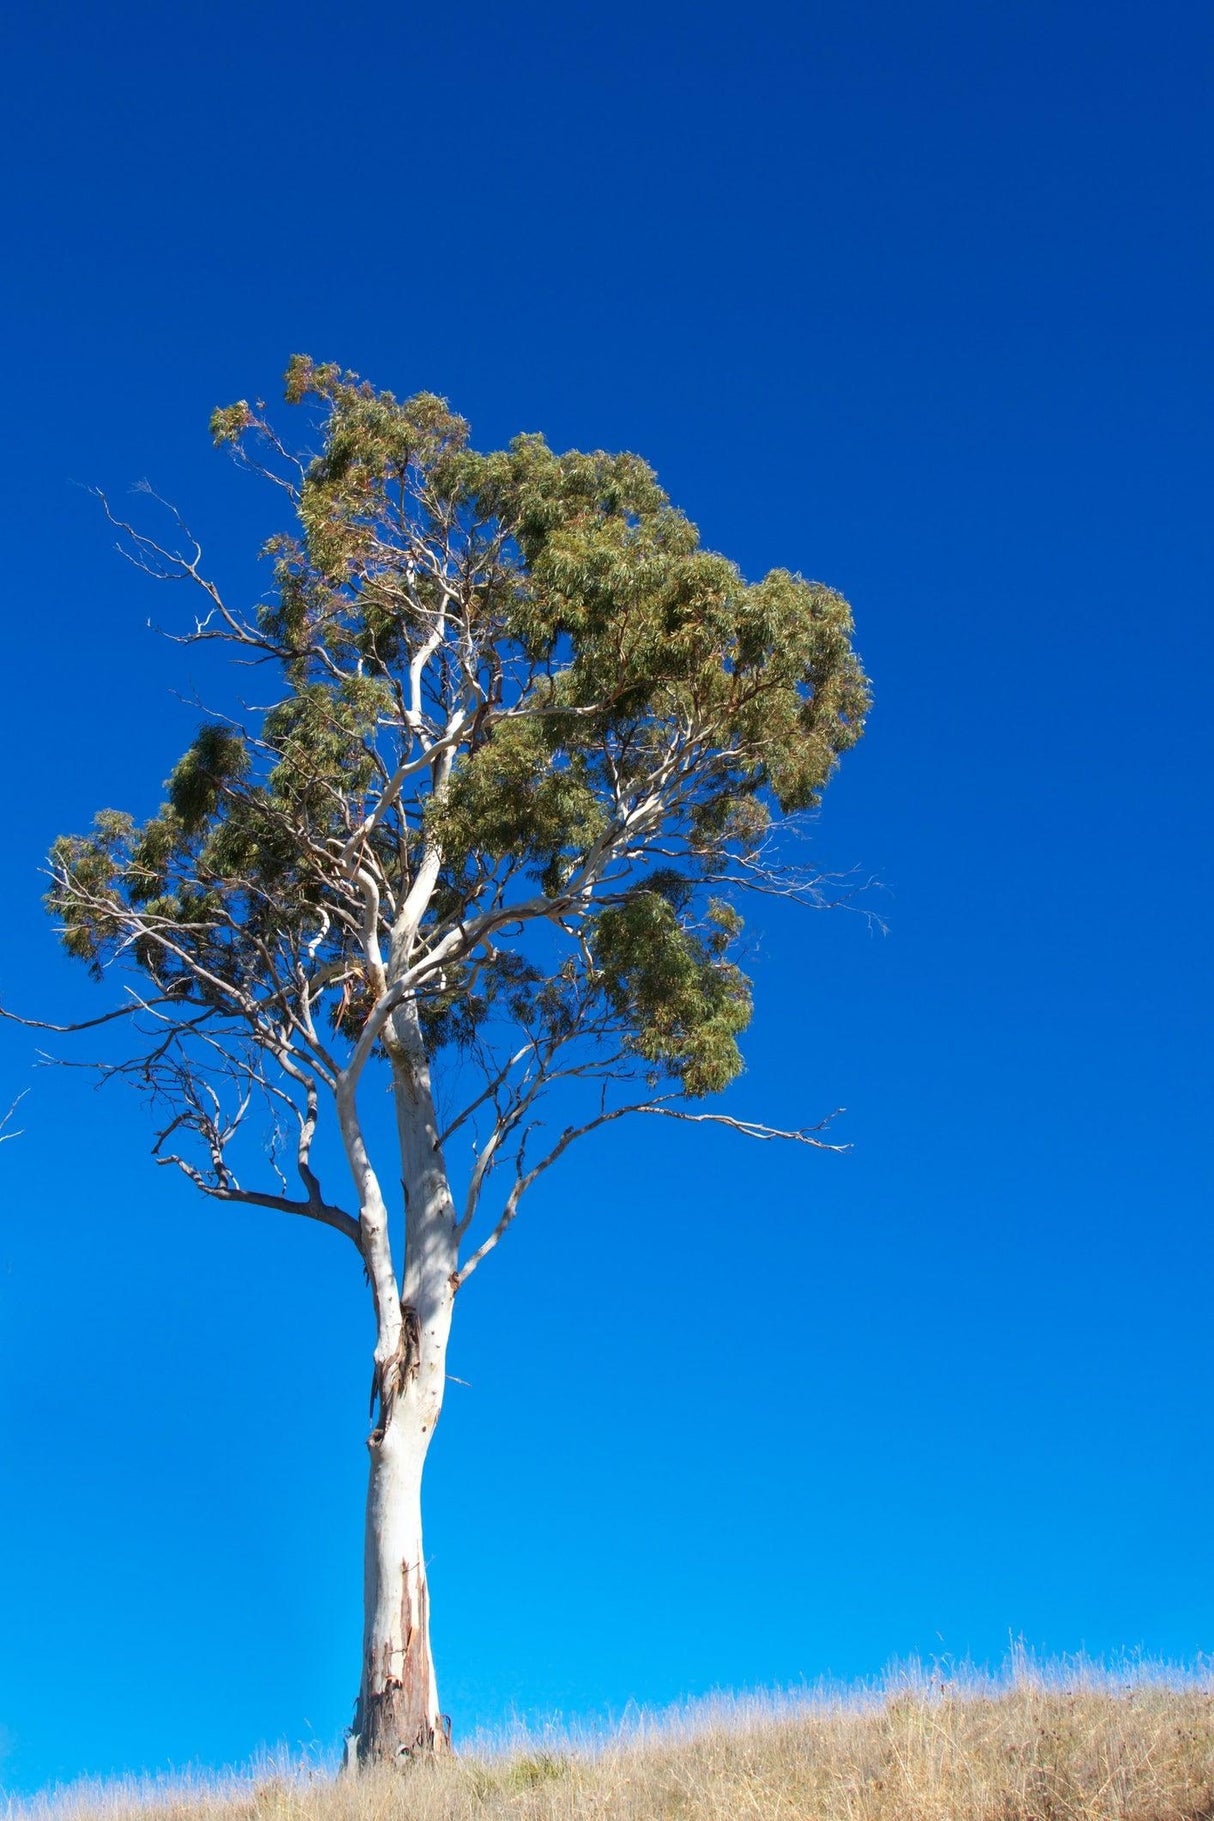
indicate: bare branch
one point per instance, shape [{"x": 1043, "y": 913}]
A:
[
  {"x": 90, "y": 1024},
  {"x": 748, "y": 1128},
  {"x": 751, "y": 1128},
  {"x": 5, "y": 1135},
  {"x": 310, "y": 1210}
]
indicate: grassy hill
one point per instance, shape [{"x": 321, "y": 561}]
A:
[{"x": 1040, "y": 1746}]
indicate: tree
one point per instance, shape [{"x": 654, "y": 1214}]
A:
[{"x": 531, "y": 745}]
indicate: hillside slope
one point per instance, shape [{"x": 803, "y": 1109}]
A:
[{"x": 1035, "y": 1750}]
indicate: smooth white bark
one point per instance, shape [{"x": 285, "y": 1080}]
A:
[{"x": 398, "y": 1707}]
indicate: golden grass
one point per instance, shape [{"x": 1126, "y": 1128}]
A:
[{"x": 1039, "y": 1747}]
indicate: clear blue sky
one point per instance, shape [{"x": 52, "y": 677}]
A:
[{"x": 915, "y": 299}]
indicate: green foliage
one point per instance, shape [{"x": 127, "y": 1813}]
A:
[
  {"x": 95, "y": 864},
  {"x": 229, "y": 422},
  {"x": 683, "y": 1004},
  {"x": 197, "y": 781},
  {"x": 596, "y": 661},
  {"x": 515, "y": 797}
]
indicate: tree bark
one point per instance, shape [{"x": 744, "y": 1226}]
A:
[{"x": 398, "y": 1715}]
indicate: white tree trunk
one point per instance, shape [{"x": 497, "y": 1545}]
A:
[{"x": 398, "y": 1713}]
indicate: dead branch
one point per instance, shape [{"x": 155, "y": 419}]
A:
[
  {"x": 659, "y": 1107},
  {"x": 5, "y": 1134}
]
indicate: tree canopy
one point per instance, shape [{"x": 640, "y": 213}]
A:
[{"x": 531, "y": 742}]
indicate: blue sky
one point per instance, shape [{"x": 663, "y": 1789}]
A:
[{"x": 915, "y": 300}]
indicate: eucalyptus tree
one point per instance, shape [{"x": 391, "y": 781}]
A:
[{"x": 529, "y": 746}]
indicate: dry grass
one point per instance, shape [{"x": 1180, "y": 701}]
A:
[{"x": 1037, "y": 1747}]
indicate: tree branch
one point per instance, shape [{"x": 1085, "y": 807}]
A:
[
  {"x": 316, "y": 1209},
  {"x": 4, "y": 1134},
  {"x": 749, "y": 1129}
]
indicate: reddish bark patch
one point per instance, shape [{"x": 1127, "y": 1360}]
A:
[{"x": 394, "y": 1723}]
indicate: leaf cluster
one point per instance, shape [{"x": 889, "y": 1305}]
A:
[{"x": 683, "y": 1004}]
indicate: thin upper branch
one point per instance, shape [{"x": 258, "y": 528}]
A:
[
  {"x": 660, "y": 1107},
  {"x": 5, "y": 1134}
]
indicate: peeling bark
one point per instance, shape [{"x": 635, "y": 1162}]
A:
[{"x": 398, "y": 1716}]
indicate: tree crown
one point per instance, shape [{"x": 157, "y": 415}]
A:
[{"x": 532, "y": 738}]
